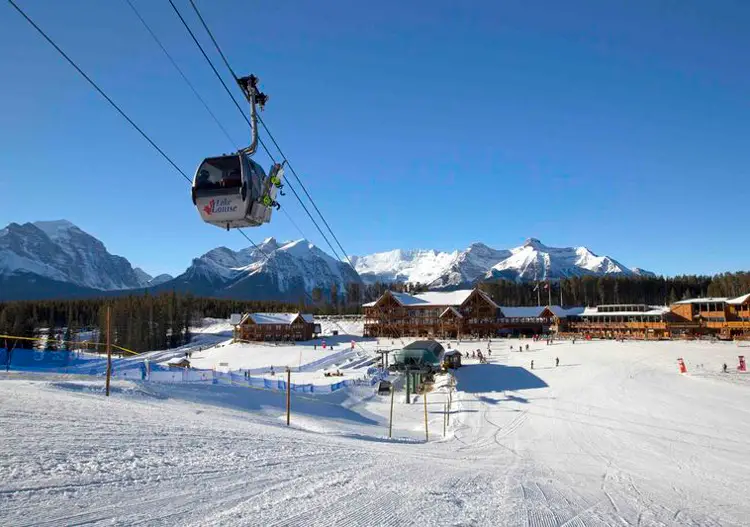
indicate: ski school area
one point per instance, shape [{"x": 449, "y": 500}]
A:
[{"x": 598, "y": 432}]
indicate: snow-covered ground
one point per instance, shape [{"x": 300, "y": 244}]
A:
[
  {"x": 613, "y": 436},
  {"x": 347, "y": 352}
]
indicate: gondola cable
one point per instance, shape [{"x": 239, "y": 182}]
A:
[
  {"x": 99, "y": 90},
  {"x": 265, "y": 148},
  {"x": 198, "y": 96},
  {"x": 270, "y": 135},
  {"x": 128, "y": 119},
  {"x": 182, "y": 74},
  {"x": 114, "y": 105}
]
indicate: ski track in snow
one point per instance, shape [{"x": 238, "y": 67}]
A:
[{"x": 614, "y": 436}]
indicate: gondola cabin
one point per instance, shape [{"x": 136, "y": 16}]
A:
[
  {"x": 426, "y": 354},
  {"x": 451, "y": 360},
  {"x": 234, "y": 191}
]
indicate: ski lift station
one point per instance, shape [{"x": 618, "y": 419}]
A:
[{"x": 425, "y": 355}]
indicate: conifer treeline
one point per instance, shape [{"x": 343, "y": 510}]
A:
[
  {"x": 593, "y": 290},
  {"x": 138, "y": 322},
  {"x": 148, "y": 322}
]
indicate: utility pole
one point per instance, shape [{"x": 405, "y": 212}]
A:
[
  {"x": 288, "y": 394},
  {"x": 561, "y": 298},
  {"x": 424, "y": 397},
  {"x": 390, "y": 421},
  {"x": 549, "y": 294},
  {"x": 109, "y": 348},
  {"x": 538, "y": 295}
]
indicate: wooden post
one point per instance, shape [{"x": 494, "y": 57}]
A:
[
  {"x": 450, "y": 397},
  {"x": 408, "y": 395},
  {"x": 288, "y": 394},
  {"x": 424, "y": 397},
  {"x": 390, "y": 421},
  {"x": 445, "y": 417},
  {"x": 109, "y": 349}
]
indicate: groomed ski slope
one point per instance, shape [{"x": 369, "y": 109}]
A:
[{"x": 614, "y": 436}]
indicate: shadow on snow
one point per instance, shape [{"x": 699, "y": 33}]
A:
[{"x": 483, "y": 378}]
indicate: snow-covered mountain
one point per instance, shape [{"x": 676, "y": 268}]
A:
[
  {"x": 56, "y": 258},
  {"x": 146, "y": 280},
  {"x": 531, "y": 261},
  {"x": 468, "y": 267},
  {"x": 60, "y": 251},
  {"x": 288, "y": 271},
  {"x": 423, "y": 266},
  {"x": 536, "y": 261}
]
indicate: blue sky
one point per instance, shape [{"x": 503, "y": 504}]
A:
[{"x": 619, "y": 125}]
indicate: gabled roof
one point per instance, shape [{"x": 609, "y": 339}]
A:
[
  {"x": 434, "y": 298},
  {"x": 739, "y": 300},
  {"x": 452, "y": 310},
  {"x": 276, "y": 318},
  {"x": 178, "y": 360},
  {"x": 703, "y": 300}
]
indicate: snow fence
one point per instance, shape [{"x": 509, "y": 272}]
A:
[
  {"x": 239, "y": 379},
  {"x": 129, "y": 369}
]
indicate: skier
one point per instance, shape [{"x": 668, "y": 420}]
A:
[
  {"x": 511, "y": 348},
  {"x": 532, "y": 364},
  {"x": 557, "y": 361},
  {"x": 527, "y": 347},
  {"x": 725, "y": 367}
]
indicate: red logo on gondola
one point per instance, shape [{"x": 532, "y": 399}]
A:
[{"x": 222, "y": 206}]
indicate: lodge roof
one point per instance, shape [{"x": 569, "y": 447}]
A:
[
  {"x": 522, "y": 311},
  {"x": 739, "y": 300},
  {"x": 453, "y": 310},
  {"x": 563, "y": 312},
  {"x": 276, "y": 318},
  {"x": 654, "y": 311},
  {"x": 435, "y": 298},
  {"x": 709, "y": 300}
]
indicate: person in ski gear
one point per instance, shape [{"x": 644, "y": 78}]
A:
[
  {"x": 557, "y": 361},
  {"x": 532, "y": 364},
  {"x": 725, "y": 367},
  {"x": 527, "y": 347}
]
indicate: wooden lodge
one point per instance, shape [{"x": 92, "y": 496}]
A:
[
  {"x": 469, "y": 312},
  {"x": 275, "y": 327},
  {"x": 638, "y": 321},
  {"x": 472, "y": 312},
  {"x": 728, "y": 318}
]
